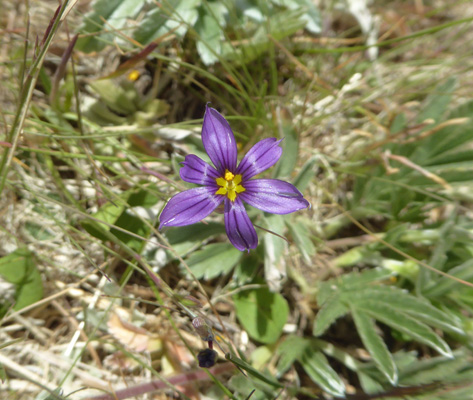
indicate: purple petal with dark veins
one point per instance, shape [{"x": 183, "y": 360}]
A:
[
  {"x": 273, "y": 196},
  {"x": 238, "y": 225},
  {"x": 260, "y": 157},
  {"x": 189, "y": 207},
  {"x": 219, "y": 141},
  {"x": 196, "y": 170}
]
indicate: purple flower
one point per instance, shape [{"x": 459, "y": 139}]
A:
[{"x": 231, "y": 184}]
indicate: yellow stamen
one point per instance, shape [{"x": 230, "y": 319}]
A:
[
  {"x": 133, "y": 75},
  {"x": 229, "y": 185}
]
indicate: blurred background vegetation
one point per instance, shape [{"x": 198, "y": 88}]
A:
[{"x": 368, "y": 294}]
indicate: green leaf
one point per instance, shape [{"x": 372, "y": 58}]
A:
[
  {"x": 406, "y": 303},
  {"x": 405, "y": 324},
  {"x": 244, "y": 387},
  {"x": 438, "y": 101},
  {"x": 210, "y": 33},
  {"x": 19, "y": 268},
  {"x": 108, "y": 213},
  {"x": 290, "y": 145},
  {"x": 331, "y": 310},
  {"x": 106, "y": 15},
  {"x": 247, "y": 269},
  {"x": 253, "y": 371},
  {"x": 38, "y": 231},
  {"x": 374, "y": 344},
  {"x": 3, "y": 374},
  {"x": 301, "y": 236},
  {"x": 440, "y": 369},
  {"x": 279, "y": 26},
  {"x": 153, "y": 24},
  {"x": 261, "y": 356},
  {"x": 143, "y": 198},
  {"x": 369, "y": 384},
  {"x": 320, "y": 371},
  {"x": 131, "y": 223},
  {"x": 262, "y": 313},
  {"x": 305, "y": 175},
  {"x": 185, "y": 238},
  {"x": 274, "y": 265},
  {"x": 116, "y": 97},
  {"x": 171, "y": 15},
  {"x": 215, "y": 259},
  {"x": 289, "y": 351},
  {"x": 445, "y": 284},
  {"x": 351, "y": 282},
  {"x": 452, "y": 137},
  {"x": 119, "y": 215},
  {"x": 312, "y": 360},
  {"x": 311, "y": 14}
]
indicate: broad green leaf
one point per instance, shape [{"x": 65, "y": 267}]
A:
[
  {"x": 108, "y": 213},
  {"x": 214, "y": 260},
  {"x": 19, "y": 268},
  {"x": 289, "y": 351},
  {"x": 261, "y": 356},
  {"x": 152, "y": 26},
  {"x": 279, "y": 26},
  {"x": 405, "y": 324},
  {"x": 106, "y": 15},
  {"x": 331, "y": 310},
  {"x": 320, "y": 371},
  {"x": 185, "y": 238},
  {"x": 129, "y": 222},
  {"x": 311, "y": 13},
  {"x": 143, "y": 198},
  {"x": 170, "y": 16},
  {"x": 247, "y": 269},
  {"x": 208, "y": 27},
  {"x": 120, "y": 215},
  {"x": 374, "y": 344},
  {"x": 262, "y": 313},
  {"x": 311, "y": 16}
]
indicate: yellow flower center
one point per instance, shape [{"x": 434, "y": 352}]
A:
[{"x": 229, "y": 185}]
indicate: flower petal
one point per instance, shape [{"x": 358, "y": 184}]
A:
[
  {"x": 219, "y": 141},
  {"x": 261, "y": 156},
  {"x": 189, "y": 207},
  {"x": 238, "y": 225},
  {"x": 196, "y": 170},
  {"x": 273, "y": 196}
]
